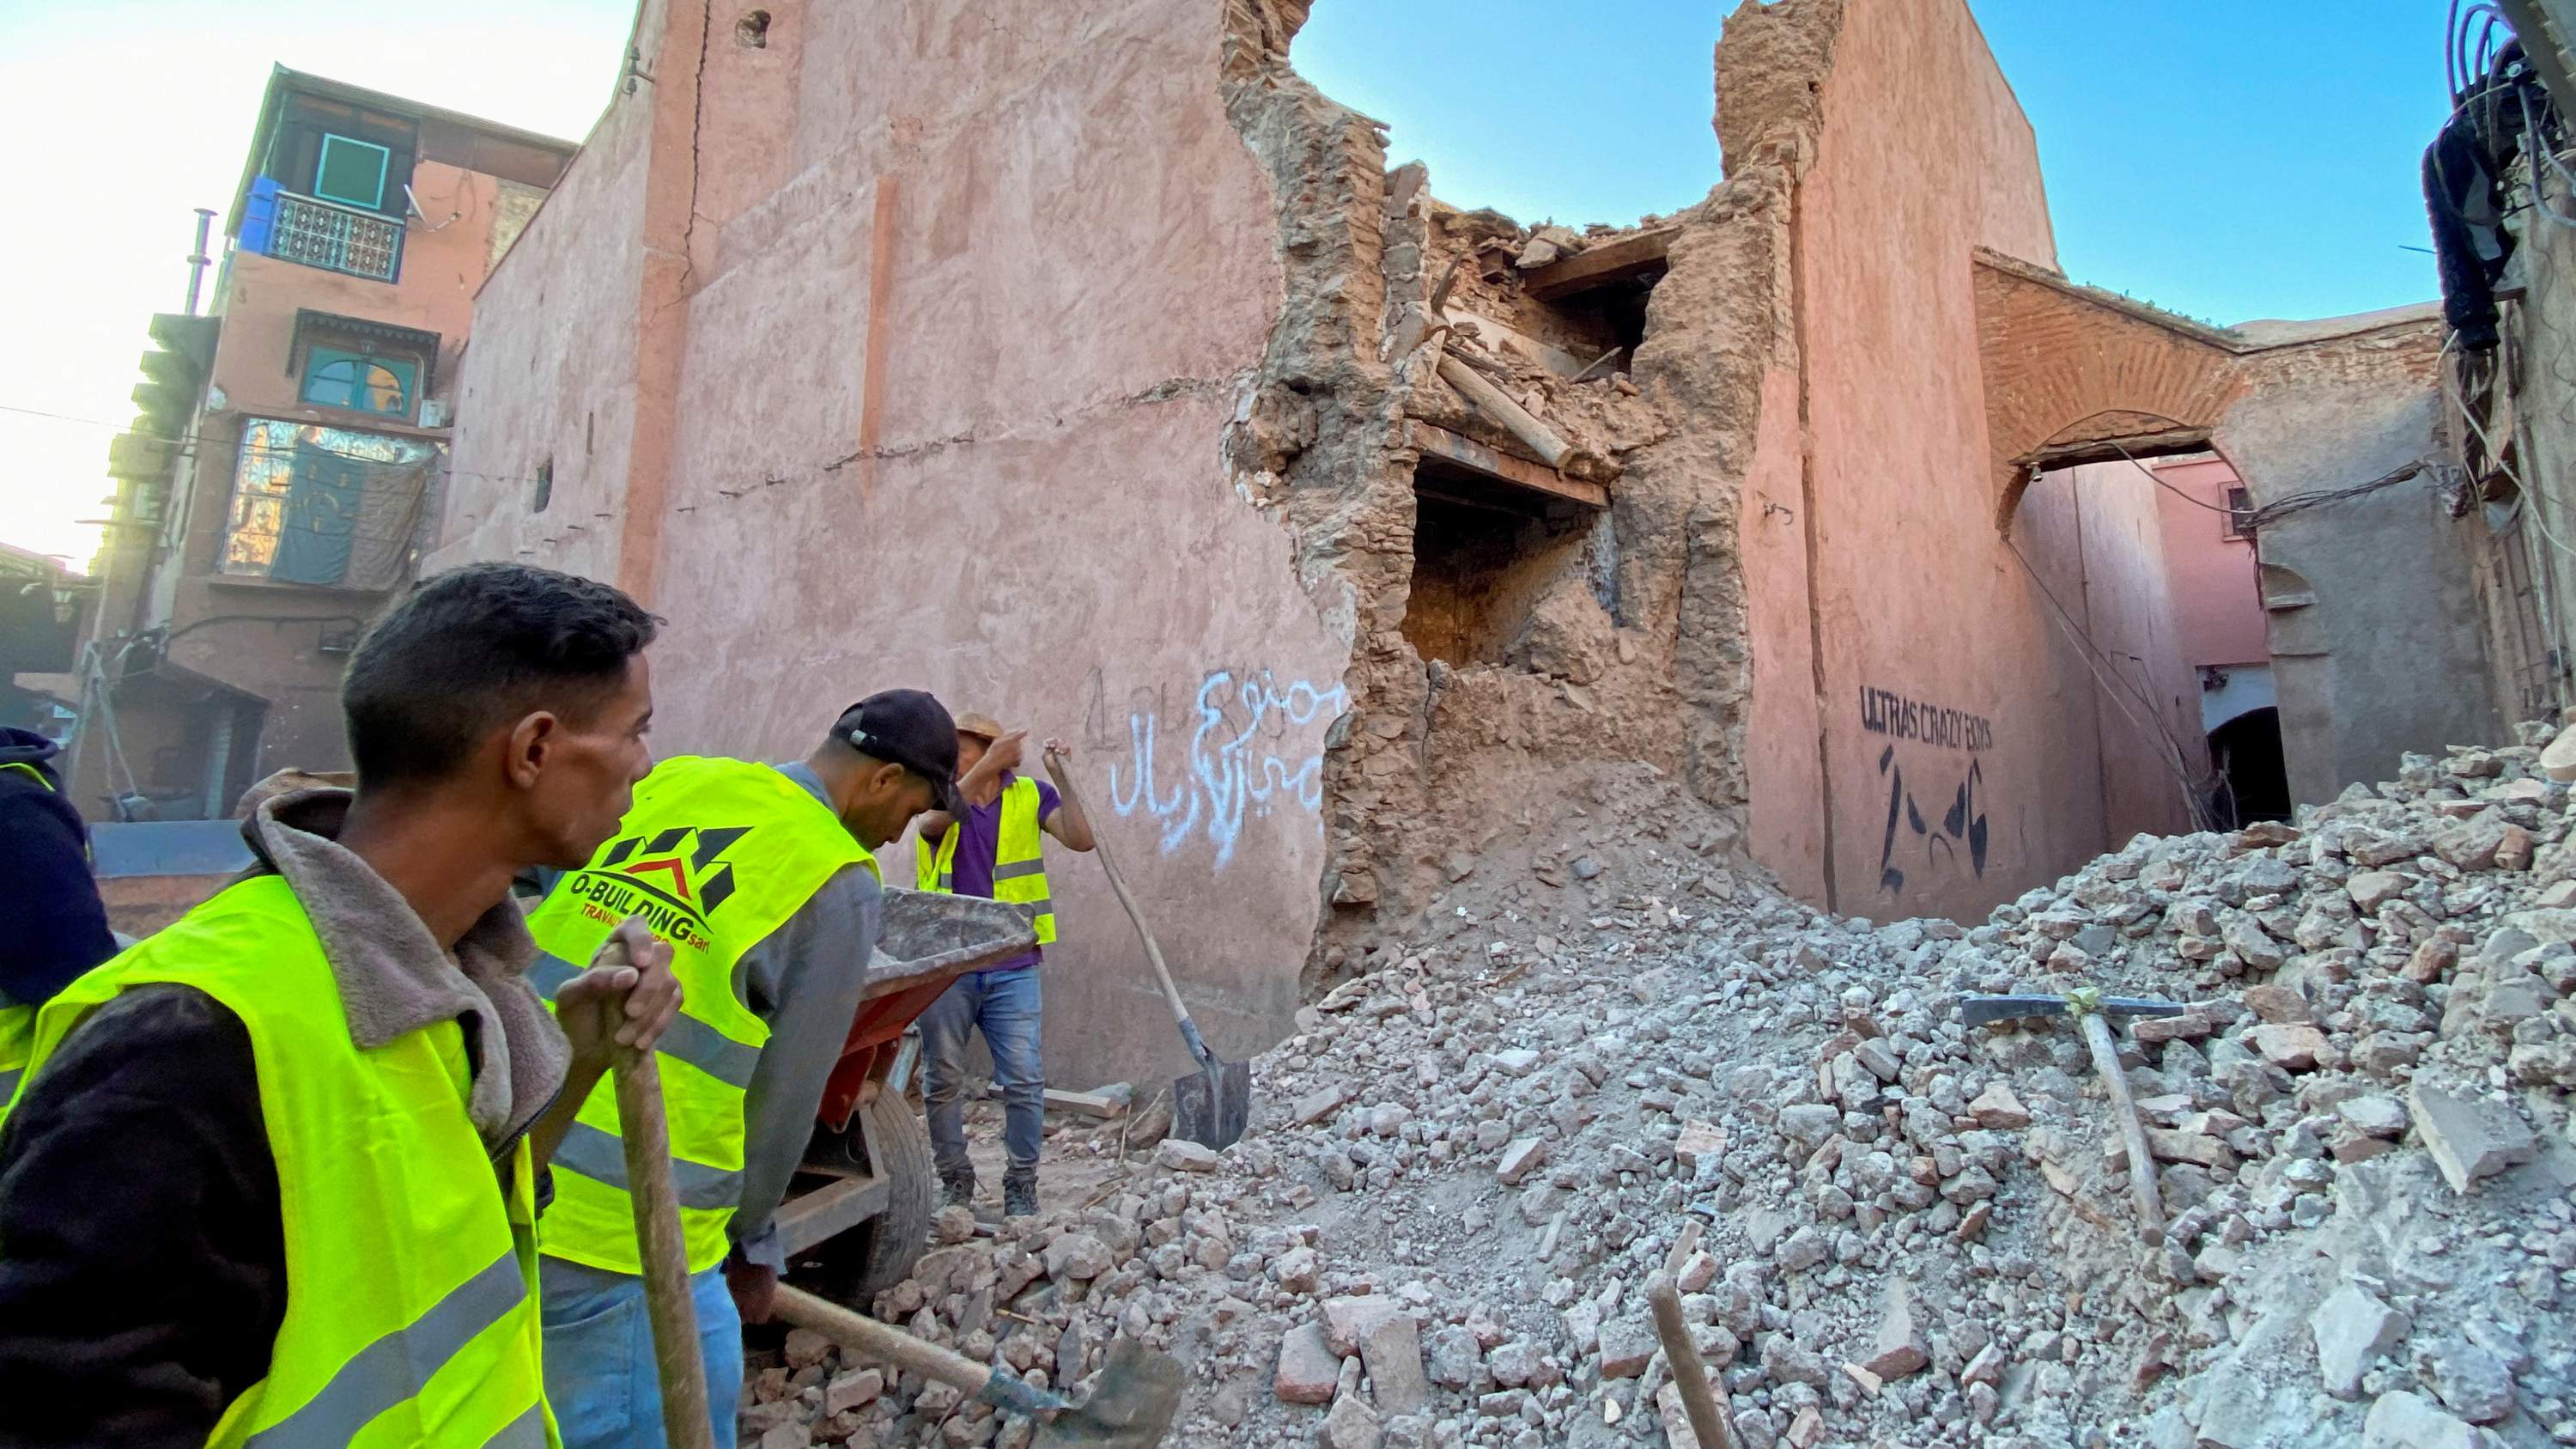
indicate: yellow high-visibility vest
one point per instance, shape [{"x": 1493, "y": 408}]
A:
[
  {"x": 411, "y": 1304},
  {"x": 1019, "y": 867},
  {"x": 715, "y": 855},
  {"x": 17, "y": 1018}
]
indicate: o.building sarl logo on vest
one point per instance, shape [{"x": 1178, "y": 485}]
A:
[{"x": 674, "y": 879}]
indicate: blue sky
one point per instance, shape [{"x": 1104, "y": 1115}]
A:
[{"x": 2228, "y": 161}]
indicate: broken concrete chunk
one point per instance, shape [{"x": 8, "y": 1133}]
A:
[
  {"x": 2400, "y": 1420},
  {"x": 2470, "y": 1381},
  {"x": 2371, "y": 889},
  {"x": 2375, "y": 1115},
  {"x": 1810, "y": 1123},
  {"x": 2469, "y": 1138},
  {"x": 2190, "y": 1026},
  {"x": 1873, "y": 1053},
  {"x": 1348, "y": 1321},
  {"x": 1182, "y": 1155},
  {"x": 1902, "y": 1348},
  {"x": 1456, "y": 1358},
  {"x": 2291, "y": 1048},
  {"x": 1805, "y": 1249},
  {"x": 2281, "y": 1005},
  {"x": 1352, "y": 1425},
  {"x": 1393, "y": 1353},
  {"x": 1996, "y": 1108},
  {"x": 1521, "y": 1157},
  {"x": 1626, "y": 1347},
  {"x": 1519, "y": 1061},
  {"x": 1699, "y": 1141},
  {"x": 1308, "y": 1368},
  {"x": 2353, "y": 1329},
  {"x": 1316, "y": 1105},
  {"x": 1077, "y": 1255}
]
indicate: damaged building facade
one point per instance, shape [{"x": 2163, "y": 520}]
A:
[{"x": 1096, "y": 371}]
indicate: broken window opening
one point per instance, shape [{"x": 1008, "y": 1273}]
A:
[{"x": 1483, "y": 555}]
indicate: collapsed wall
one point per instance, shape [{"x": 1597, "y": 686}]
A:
[{"x": 1511, "y": 646}]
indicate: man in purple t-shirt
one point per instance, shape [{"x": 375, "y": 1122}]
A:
[{"x": 1003, "y": 1000}]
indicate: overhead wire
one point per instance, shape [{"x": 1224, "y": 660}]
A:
[{"x": 2194, "y": 788}]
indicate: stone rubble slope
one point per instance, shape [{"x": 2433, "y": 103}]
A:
[{"x": 1478, "y": 1147}]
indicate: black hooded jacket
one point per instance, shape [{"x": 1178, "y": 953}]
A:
[{"x": 57, "y": 927}]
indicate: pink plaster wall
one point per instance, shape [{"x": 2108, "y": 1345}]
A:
[
  {"x": 2215, "y": 591},
  {"x": 1082, "y": 262},
  {"x": 1784, "y": 774},
  {"x": 1924, "y": 156}
]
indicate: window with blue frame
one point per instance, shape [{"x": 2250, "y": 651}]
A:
[
  {"x": 360, "y": 383},
  {"x": 352, "y": 172}
]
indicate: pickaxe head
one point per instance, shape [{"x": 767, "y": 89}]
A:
[{"x": 1983, "y": 1010}]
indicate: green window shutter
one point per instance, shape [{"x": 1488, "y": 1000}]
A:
[
  {"x": 337, "y": 379},
  {"x": 351, "y": 172}
]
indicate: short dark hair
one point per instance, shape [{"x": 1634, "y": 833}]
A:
[{"x": 468, "y": 650}]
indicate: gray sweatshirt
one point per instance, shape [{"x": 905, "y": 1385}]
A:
[{"x": 804, "y": 980}]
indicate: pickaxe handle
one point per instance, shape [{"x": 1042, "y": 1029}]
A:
[{"x": 2133, "y": 1133}]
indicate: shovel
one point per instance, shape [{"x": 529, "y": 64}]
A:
[
  {"x": 1129, "y": 1407},
  {"x": 1212, "y": 1105},
  {"x": 659, "y": 1244}
]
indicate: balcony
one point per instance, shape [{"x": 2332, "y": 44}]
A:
[{"x": 335, "y": 238}]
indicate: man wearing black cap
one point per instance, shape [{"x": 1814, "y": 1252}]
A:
[{"x": 763, "y": 879}]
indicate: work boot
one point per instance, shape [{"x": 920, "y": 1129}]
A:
[
  {"x": 1020, "y": 1194},
  {"x": 960, "y": 1187}
]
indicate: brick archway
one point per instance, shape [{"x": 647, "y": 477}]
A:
[{"x": 2079, "y": 375}]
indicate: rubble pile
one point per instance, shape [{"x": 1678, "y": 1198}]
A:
[{"x": 1889, "y": 1229}]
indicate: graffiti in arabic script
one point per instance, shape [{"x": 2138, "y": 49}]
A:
[{"x": 1254, "y": 751}]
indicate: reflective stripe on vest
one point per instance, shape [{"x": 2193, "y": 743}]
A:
[
  {"x": 1019, "y": 869},
  {"x": 17, "y": 1038},
  {"x": 411, "y": 1312},
  {"x": 18, "y": 1022},
  {"x": 715, "y": 855}
]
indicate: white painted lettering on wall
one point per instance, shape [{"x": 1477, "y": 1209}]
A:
[{"x": 1254, "y": 752}]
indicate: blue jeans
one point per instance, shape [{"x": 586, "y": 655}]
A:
[
  {"x": 600, "y": 1378},
  {"x": 1005, "y": 1005}
]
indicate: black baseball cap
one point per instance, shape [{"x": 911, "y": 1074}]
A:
[{"x": 910, "y": 728}]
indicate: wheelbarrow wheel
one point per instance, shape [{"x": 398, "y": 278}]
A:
[{"x": 857, "y": 1265}]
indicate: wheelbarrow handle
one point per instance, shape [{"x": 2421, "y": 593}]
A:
[{"x": 1062, "y": 769}]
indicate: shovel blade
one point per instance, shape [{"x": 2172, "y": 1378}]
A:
[
  {"x": 1130, "y": 1406},
  {"x": 1212, "y": 1106}
]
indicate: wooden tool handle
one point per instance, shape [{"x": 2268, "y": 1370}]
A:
[
  {"x": 659, "y": 1243},
  {"x": 2133, "y": 1133},
  {"x": 879, "y": 1341},
  {"x": 665, "y": 1254},
  {"x": 1062, "y": 769},
  {"x": 1690, "y": 1375}
]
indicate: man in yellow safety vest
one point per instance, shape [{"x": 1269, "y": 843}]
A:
[
  {"x": 270, "y": 1175},
  {"x": 989, "y": 845},
  {"x": 761, "y": 878}
]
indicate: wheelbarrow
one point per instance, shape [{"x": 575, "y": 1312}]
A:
[{"x": 858, "y": 1212}]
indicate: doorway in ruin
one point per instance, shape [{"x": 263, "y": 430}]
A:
[{"x": 2254, "y": 780}]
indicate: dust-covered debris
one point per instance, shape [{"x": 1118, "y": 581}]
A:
[{"x": 1475, "y": 1151}]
